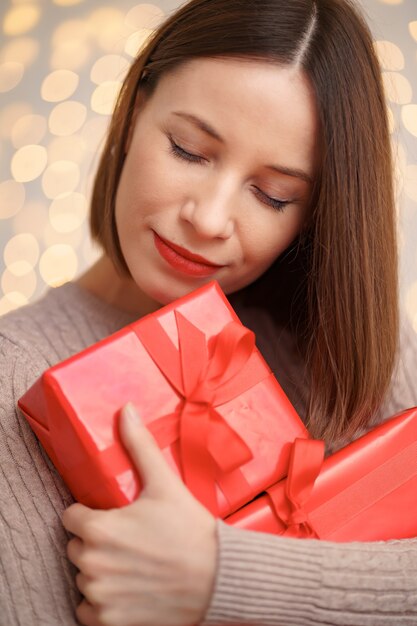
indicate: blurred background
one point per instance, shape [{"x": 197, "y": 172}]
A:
[{"x": 61, "y": 66}]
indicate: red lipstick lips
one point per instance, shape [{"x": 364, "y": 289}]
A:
[{"x": 183, "y": 260}]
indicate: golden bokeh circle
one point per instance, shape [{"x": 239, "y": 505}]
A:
[
  {"x": 28, "y": 129},
  {"x": 59, "y": 85},
  {"x": 67, "y": 3},
  {"x": 145, "y": 15},
  {"x": 137, "y": 41},
  {"x": 71, "y": 148},
  {"x": 409, "y": 118},
  {"x": 66, "y": 118},
  {"x": 52, "y": 237},
  {"x": 9, "y": 115},
  {"x": 58, "y": 264},
  {"x": 108, "y": 28},
  {"x": 25, "y": 284},
  {"x": 11, "y": 73},
  {"x": 21, "y": 19},
  {"x": 397, "y": 87},
  {"x": 390, "y": 55},
  {"x": 28, "y": 163},
  {"x": 104, "y": 97},
  {"x": 110, "y": 67},
  {"x": 22, "y": 50},
  {"x": 412, "y": 27},
  {"x": 12, "y": 301},
  {"x": 94, "y": 132},
  {"x": 68, "y": 212},
  {"x": 12, "y": 198},
  {"x": 60, "y": 177},
  {"x": 70, "y": 55},
  {"x": 411, "y": 303},
  {"x": 22, "y": 247},
  {"x": 410, "y": 182},
  {"x": 31, "y": 218}
]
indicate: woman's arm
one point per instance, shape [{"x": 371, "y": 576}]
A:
[
  {"x": 160, "y": 562},
  {"x": 264, "y": 579}
]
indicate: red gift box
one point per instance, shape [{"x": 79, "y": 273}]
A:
[
  {"x": 201, "y": 387},
  {"x": 364, "y": 492}
]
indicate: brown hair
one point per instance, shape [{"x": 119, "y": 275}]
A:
[{"x": 346, "y": 304}]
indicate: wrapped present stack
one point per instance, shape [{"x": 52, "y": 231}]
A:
[
  {"x": 200, "y": 385},
  {"x": 225, "y": 425}
]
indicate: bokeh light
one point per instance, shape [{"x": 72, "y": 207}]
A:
[
  {"x": 21, "y": 50},
  {"x": 21, "y": 19},
  {"x": 137, "y": 41},
  {"x": 28, "y": 129},
  {"x": 12, "y": 197},
  {"x": 23, "y": 247},
  {"x": 10, "y": 114},
  {"x": 28, "y": 163},
  {"x": 145, "y": 15},
  {"x": 12, "y": 301},
  {"x": 68, "y": 212},
  {"x": 58, "y": 264},
  {"x": 24, "y": 284},
  {"x": 67, "y": 3},
  {"x": 110, "y": 67},
  {"x": 33, "y": 218},
  {"x": 60, "y": 177},
  {"x": 107, "y": 25},
  {"x": 11, "y": 73},
  {"x": 59, "y": 85},
  {"x": 397, "y": 87},
  {"x": 61, "y": 67},
  {"x": 71, "y": 148},
  {"x": 390, "y": 56},
  {"x": 409, "y": 118},
  {"x": 104, "y": 97},
  {"x": 410, "y": 182},
  {"x": 67, "y": 117}
]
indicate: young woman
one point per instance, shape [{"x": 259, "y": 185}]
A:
[{"x": 250, "y": 145}]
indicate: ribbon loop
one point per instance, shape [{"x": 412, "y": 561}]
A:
[
  {"x": 205, "y": 375},
  {"x": 306, "y": 460}
]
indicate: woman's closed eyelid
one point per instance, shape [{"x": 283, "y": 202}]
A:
[
  {"x": 186, "y": 153},
  {"x": 179, "y": 152}
]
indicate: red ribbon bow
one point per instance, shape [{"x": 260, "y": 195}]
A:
[
  {"x": 306, "y": 460},
  {"x": 210, "y": 449}
]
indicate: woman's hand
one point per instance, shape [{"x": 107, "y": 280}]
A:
[{"x": 152, "y": 562}]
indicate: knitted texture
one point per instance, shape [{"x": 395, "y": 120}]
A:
[{"x": 260, "y": 579}]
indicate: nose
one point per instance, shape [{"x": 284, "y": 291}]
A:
[{"x": 209, "y": 210}]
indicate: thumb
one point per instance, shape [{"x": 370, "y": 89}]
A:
[{"x": 155, "y": 473}]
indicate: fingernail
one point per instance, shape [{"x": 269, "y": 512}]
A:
[{"x": 130, "y": 412}]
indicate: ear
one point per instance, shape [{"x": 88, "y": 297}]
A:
[{"x": 141, "y": 98}]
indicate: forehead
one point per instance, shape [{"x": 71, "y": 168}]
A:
[{"x": 259, "y": 105}]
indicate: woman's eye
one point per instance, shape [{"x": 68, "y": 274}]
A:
[
  {"x": 180, "y": 153},
  {"x": 275, "y": 203}
]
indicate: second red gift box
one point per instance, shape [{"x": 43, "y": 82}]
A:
[{"x": 364, "y": 492}]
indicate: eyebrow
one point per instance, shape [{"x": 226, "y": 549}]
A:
[{"x": 209, "y": 130}]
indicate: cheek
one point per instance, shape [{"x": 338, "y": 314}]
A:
[
  {"x": 149, "y": 184},
  {"x": 265, "y": 241}
]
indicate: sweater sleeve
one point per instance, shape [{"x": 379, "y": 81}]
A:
[
  {"x": 278, "y": 581},
  {"x": 36, "y": 580},
  {"x": 267, "y": 580}
]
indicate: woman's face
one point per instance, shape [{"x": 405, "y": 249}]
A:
[{"x": 218, "y": 175}]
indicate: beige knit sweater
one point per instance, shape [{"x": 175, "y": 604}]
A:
[{"x": 261, "y": 579}]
